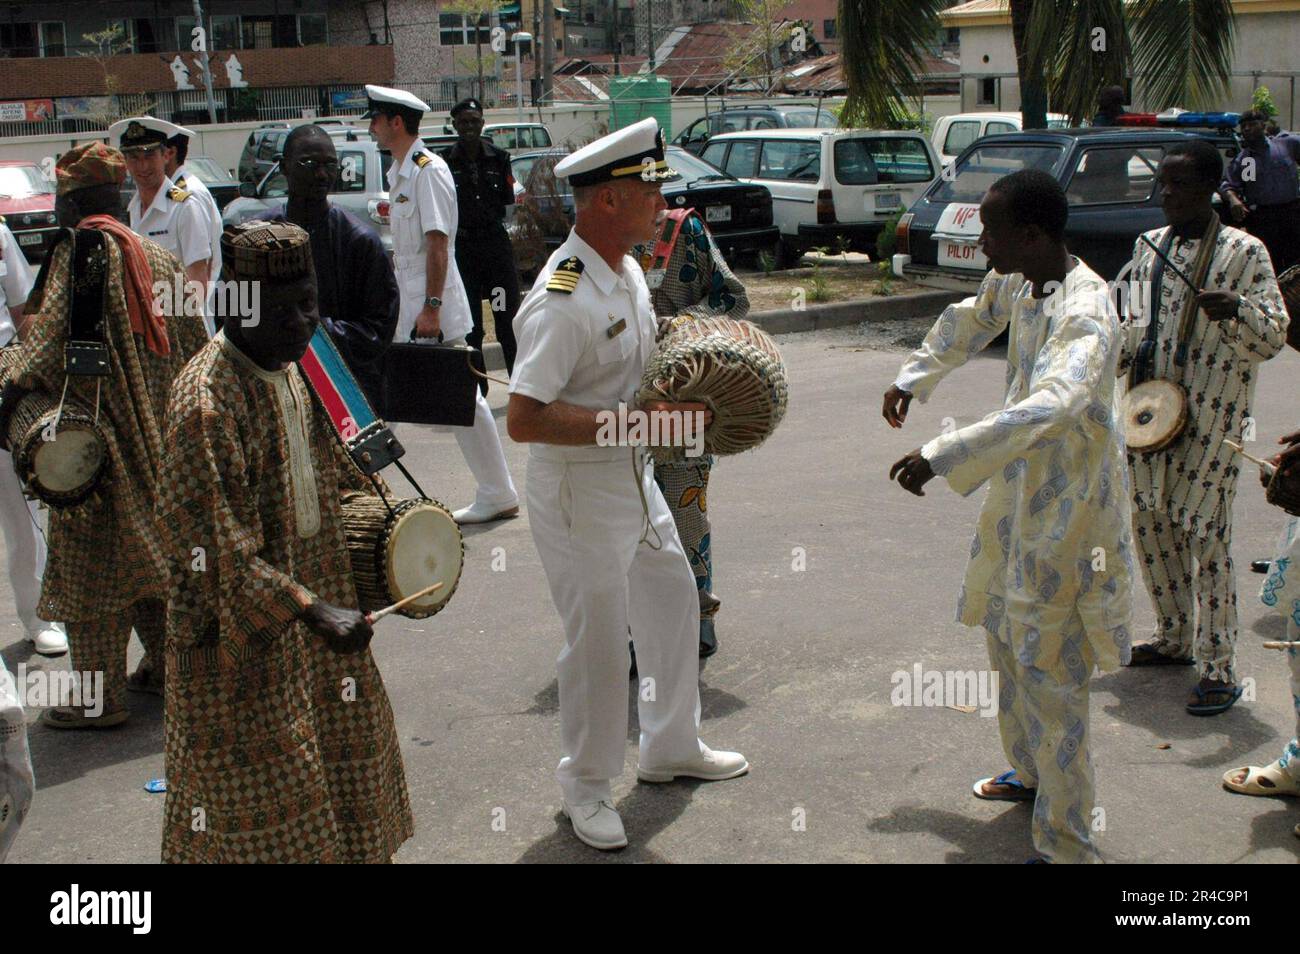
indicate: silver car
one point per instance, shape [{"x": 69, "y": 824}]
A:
[{"x": 361, "y": 188}]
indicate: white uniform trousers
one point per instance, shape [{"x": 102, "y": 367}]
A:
[
  {"x": 24, "y": 545},
  {"x": 587, "y": 521}
]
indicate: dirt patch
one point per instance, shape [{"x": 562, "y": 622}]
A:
[{"x": 800, "y": 287}]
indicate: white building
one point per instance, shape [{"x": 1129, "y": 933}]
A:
[{"x": 1267, "y": 53}]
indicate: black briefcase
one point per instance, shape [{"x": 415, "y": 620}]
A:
[{"x": 430, "y": 383}]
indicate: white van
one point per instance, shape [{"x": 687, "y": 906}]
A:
[
  {"x": 832, "y": 188},
  {"x": 952, "y": 134}
]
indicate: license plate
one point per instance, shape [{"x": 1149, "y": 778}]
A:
[
  {"x": 961, "y": 255},
  {"x": 887, "y": 202},
  {"x": 30, "y": 239},
  {"x": 717, "y": 213}
]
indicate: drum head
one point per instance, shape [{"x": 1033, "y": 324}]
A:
[
  {"x": 425, "y": 547},
  {"x": 69, "y": 462},
  {"x": 1154, "y": 415}
]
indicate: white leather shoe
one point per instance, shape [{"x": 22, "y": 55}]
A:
[
  {"x": 477, "y": 513},
  {"x": 596, "y": 824},
  {"x": 50, "y": 639},
  {"x": 711, "y": 766}
]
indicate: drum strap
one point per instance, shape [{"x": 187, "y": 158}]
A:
[
  {"x": 367, "y": 439},
  {"x": 86, "y": 352},
  {"x": 654, "y": 263},
  {"x": 1144, "y": 368}
]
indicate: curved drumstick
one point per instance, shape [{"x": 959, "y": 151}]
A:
[
  {"x": 1282, "y": 644},
  {"x": 377, "y": 615},
  {"x": 1264, "y": 465}
]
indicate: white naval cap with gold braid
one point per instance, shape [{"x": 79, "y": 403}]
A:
[{"x": 637, "y": 151}]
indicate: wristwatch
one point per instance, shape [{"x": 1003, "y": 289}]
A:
[{"x": 433, "y": 301}]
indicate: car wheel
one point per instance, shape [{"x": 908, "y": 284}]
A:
[{"x": 787, "y": 253}]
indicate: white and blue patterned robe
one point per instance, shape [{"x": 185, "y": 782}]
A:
[{"x": 1054, "y": 537}]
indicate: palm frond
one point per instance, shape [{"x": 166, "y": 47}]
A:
[
  {"x": 882, "y": 47},
  {"x": 1082, "y": 47},
  {"x": 1182, "y": 51}
]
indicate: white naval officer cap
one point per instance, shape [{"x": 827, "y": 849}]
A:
[
  {"x": 384, "y": 99},
  {"x": 637, "y": 151},
  {"x": 141, "y": 132}
]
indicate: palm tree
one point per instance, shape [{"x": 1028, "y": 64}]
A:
[
  {"x": 882, "y": 43},
  {"x": 1181, "y": 50}
]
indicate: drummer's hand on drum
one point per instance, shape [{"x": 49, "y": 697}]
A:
[
  {"x": 913, "y": 472},
  {"x": 346, "y": 630},
  {"x": 687, "y": 407},
  {"x": 897, "y": 402},
  {"x": 1218, "y": 305}
]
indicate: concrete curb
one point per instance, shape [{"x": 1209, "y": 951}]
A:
[{"x": 816, "y": 317}]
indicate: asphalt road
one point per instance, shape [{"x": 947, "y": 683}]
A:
[{"x": 832, "y": 580}]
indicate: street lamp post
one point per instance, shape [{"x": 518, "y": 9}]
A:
[{"x": 518, "y": 40}]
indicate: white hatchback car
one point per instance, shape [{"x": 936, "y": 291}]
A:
[
  {"x": 835, "y": 188},
  {"x": 952, "y": 134}
]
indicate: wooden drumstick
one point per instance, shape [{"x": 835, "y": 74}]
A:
[
  {"x": 1264, "y": 465},
  {"x": 377, "y": 615},
  {"x": 1282, "y": 644}
]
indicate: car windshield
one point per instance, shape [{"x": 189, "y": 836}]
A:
[
  {"x": 691, "y": 168},
  {"x": 207, "y": 169},
  {"x": 802, "y": 118},
  {"x": 23, "y": 180},
  {"x": 987, "y": 164}
]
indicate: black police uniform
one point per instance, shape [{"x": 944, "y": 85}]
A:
[{"x": 484, "y": 256}]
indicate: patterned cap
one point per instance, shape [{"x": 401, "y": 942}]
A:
[
  {"x": 89, "y": 164},
  {"x": 274, "y": 251}
]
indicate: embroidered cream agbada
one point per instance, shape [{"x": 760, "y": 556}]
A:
[{"x": 1053, "y": 538}]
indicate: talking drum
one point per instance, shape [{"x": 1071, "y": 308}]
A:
[
  {"x": 1155, "y": 414},
  {"x": 62, "y": 464},
  {"x": 1289, "y": 284},
  {"x": 399, "y": 551},
  {"x": 1284, "y": 492},
  {"x": 733, "y": 368}
]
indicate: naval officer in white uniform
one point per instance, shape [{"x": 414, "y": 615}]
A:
[
  {"x": 160, "y": 210},
  {"x": 423, "y": 215},
  {"x": 18, "y": 516},
  {"x": 606, "y": 537},
  {"x": 176, "y": 152}
]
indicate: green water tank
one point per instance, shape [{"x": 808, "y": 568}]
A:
[{"x": 633, "y": 98}]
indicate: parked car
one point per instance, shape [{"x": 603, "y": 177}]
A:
[
  {"x": 744, "y": 118},
  {"x": 361, "y": 188},
  {"x": 514, "y": 138},
  {"x": 27, "y": 204},
  {"x": 266, "y": 144},
  {"x": 833, "y": 188},
  {"x": 1109, "y": 176},
  {"x": 952, "y": 134},
  {"x": 738, "y": 215},
  {"x": 224, "y": 189}
]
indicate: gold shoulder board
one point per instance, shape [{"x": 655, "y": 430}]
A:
[
  {"x": 565, "y": 279},
  {"x": 422, "y": 159},
  {"x": 177, "y": 194}
]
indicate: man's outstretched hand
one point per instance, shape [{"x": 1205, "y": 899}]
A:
[
  {"x": 913, "y": 472},
  {"x": 897, "y": 402}
]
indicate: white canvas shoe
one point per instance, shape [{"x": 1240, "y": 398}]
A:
[
  {"x": 477, "y": 513},
  {"x": 596, "y": 824},
  {"x": 50, "y": 639},
  {"x": 711, "y": 766}
]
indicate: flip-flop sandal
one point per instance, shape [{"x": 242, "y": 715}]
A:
[
  {"x": 1204, "y": 708},
  {"x": 1020, "y": 792},
  {"x": 1269, "y": 780},
  {"x": 68, "y": 717},
  {"x": 1145, "y": 654}
]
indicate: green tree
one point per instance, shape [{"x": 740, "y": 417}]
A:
[
  {"x": 1067, "y": 50},
  {"x": 882, "y": 47}
]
